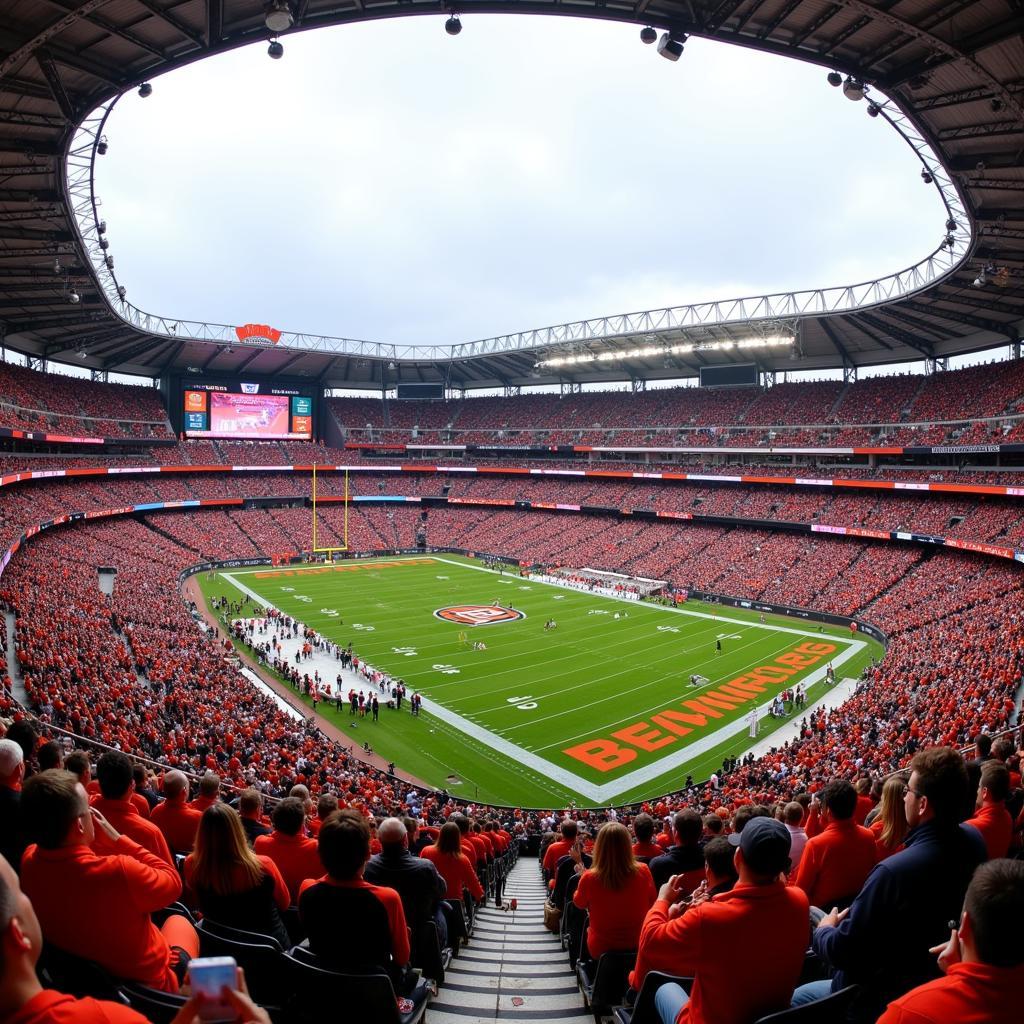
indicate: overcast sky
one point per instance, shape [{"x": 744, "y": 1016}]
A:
[{"x": 388, "y": 182}]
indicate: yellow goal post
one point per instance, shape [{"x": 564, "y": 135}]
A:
[{"x": 344, "y": 546}]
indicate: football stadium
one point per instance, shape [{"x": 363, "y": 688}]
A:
[{"x": 662, "y": 667}]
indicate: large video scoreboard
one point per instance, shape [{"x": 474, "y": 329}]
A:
[{"x": 246, "y": 410}]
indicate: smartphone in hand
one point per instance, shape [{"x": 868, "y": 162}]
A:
[{"x": 210, "y": 975}]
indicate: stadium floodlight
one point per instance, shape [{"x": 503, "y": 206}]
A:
[
  {"x": 145, "y": 90},
  {"x": 102, "y": 146},
  {"x": 57, "y": 268},
  {"x": 874, "y": 110},
  {"x": 926, "y": 176},
  {"x": 980, "y": 281},
  {"x": 278, "y": 16},
  {"x": 853, "y": 89},
  {"x": 671, "y": 47},
  {"x": 109, "y": 261},
  {"x": 663, "y": 351},
  {"x": 453, "y": 26},
  {"x": 275, "y": 51},
  {"x": 121, "y": 292},
  {"x": 648, "y": 35},
  {"x": 835, "y": 79},
  {"x": 951, "y": 225},
  {"x": 74, "y": 298}
]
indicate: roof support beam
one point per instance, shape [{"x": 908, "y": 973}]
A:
[
  {"x": 214, "y": 23},
  {"x": 898, "y": 334},
  {"x": 977, "y": 322},
  {"x": 52, "y": 77},
  {"x": 836, "y": 341},
  {"x": 170, "y": 19}
]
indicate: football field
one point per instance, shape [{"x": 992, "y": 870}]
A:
[{"x": 599, "y": 709}]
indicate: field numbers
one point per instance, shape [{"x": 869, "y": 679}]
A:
[
  {"x": 446, "y": 670},
  {"x": 406, "y": 652},
  {"x": 303, "y": 598},
  {"x": 668, "y": 629},
  {"x": 288, "y": 590},
  {"x": 526, "y": 703},
  {"x": 329, "y": 612},
  {"x": 598, "y": 611},
  {"x": 442, "y": 577},
  {"x": 363, "y": 627}
]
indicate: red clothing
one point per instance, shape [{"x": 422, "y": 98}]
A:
[
  {"x": 708, "y": 942},
  {"x": 457, "y": 872},
  {"x": 202, "y": 802},
  {"x": 558, "y": 849},
  {"x": 392, "y": 905},
  {"x": 179, "y": 823},
  {"x": 296, "y": 857},
  {"x": 140, "y": 802},
  {"x": 835, "y": 863},
  {"x": 647, "y": 850},
  {"x": 98, "y": 907},
  {"x": 124, "y": 816},
  {"x": 881, "y": 849},
  {"x": 616, "y": 916},
  {"x": 863, "y": 808},
  {"x": 967, "y": 994},
  {"x": 49, "y": 1007},
  {"x": 994, "y": 823}
]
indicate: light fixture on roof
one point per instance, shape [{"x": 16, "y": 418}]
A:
[
  {"x": 74, "y": 298},
  {"x": 275, "y": 51},
  {"x": 853, "y": 89},
  {"x": 57, "y": 268},
  {"x": 109, "y": 261},
  {"x": 648, "y": 35},
  {"x": 121, "y": 292},
  {"x": 874, "y": 110},
  {"x": 951, "y": 225},
  {"x": 104, "y": 244},
  {"x": 278, "y": 16},
  {"x": 101, "y": 228},
  {"x": 670, "y": 46},
  {"x": 926, "y": 176},
  {"x": 145, "y": 90},
  {"x": 980, "y": 281},
  {"x": 835, "y": 79},
  {"x": 102, "y": 146},
  {"x": 453, "y": 26}
]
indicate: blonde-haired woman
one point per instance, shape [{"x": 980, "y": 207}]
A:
[
  {"x": 890, "y": 826},
  {"x": 617, "y": 891},
  {"x": 232, "y": 885}
]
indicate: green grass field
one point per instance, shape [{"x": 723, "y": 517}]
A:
[{"x": 598, "y": 710}]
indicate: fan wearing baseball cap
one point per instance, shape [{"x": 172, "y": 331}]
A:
[{"x": 744, "y": 948}]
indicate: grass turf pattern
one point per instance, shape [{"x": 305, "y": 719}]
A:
[{"x": 597, "y": 710}]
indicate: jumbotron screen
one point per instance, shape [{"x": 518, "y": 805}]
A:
[{"x": 252, "y": 412}]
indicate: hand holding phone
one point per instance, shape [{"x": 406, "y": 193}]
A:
[{"x": 209, "y": 976}]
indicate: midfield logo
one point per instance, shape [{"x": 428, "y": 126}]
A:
[{"x": 478, "y": 614}]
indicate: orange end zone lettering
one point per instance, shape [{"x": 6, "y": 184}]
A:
[
  {"x": 643, "y": 736},
  {"x": 604, "y": 755}
]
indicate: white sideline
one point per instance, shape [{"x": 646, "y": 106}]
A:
[{"x": 601, "y": 794}]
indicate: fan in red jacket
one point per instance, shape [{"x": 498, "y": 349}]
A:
[
  {"x": 98, "y": 907},
  {"x": 992, "y": 819},
  {"x": 983, "y": 962},
  {"x": 702, "y": 940}
]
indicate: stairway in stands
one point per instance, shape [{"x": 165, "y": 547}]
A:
[{"x": 512, "y": 969}]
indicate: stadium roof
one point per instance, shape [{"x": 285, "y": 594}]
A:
[{"x": 954, "y": 73}]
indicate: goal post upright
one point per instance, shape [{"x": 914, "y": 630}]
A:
[{"x": 345, "y": 503}]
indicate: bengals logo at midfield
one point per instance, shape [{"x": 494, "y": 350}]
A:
[{"x": 478, "y": 614}]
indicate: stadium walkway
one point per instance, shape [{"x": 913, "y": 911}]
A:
[{"x": 512, "y": 969}]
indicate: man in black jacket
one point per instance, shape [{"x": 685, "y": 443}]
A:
[
  {"x": 12, "y": 772},
  {"x": 686, "y": 855},
  {"x": 414, "y": 879},
  {"x": 882, "y": 941}
]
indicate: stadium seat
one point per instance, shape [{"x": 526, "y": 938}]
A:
[
  {"x": 458, "y": 923},
  {"x": 604, "y": 982},
  {"x": 258, "y": 955},
  {"x": 825, "y": 1011},
  {"x": 319, "y": 995},
  {"x": 643, "y": 1011},
  {"x": 156, "y": 1006},
  {"x": 74, "y": 974},
  {"x": 429, "y": 956}
]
